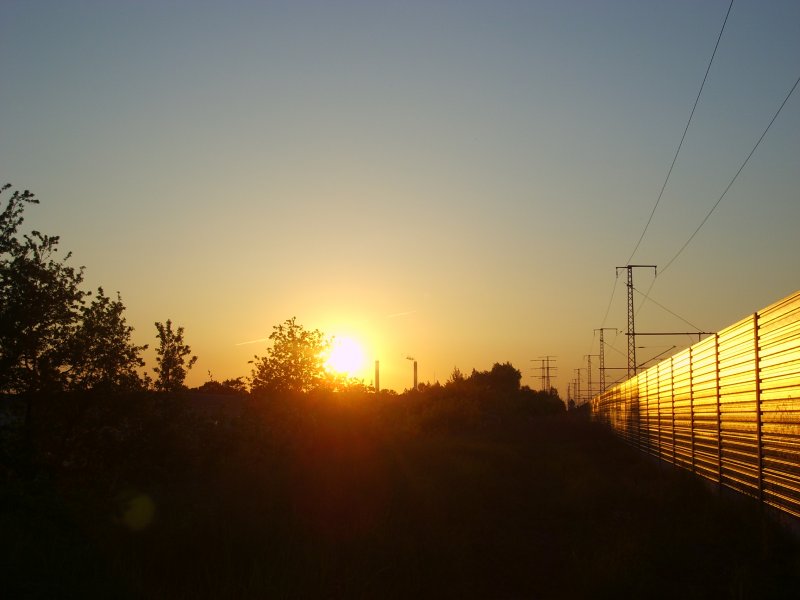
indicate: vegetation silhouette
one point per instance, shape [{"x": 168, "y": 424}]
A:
[
  {"x": 50, "y": 340},
  {"x": 231, "y": 387},
  {"x": 173, "y": 358},
  {"x": 103, "y": 357},
  {"x": 342, "y": 494},
  {"x": 40, "y": 303},
  {"x": 293, "y": 364}
]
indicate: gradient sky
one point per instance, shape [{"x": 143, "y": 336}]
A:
[{"x": 455, "y": 181}]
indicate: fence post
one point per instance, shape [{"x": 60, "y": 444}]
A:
[
  {"x": 658, "y": 404},
  {"x": 672, "y": 391},
  {"x": 648, "y": 433},
  {"x": 638, "y": 411},
  {"x": 691, "y": 405},
  {"x": 719, "y": 410},
  {"x": 759, "y": 415}
]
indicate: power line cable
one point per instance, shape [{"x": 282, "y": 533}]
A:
[
  {"x": 683, "y": 137},
  {"x": 617, "y": 350},
  {"x": 608, "y": 309},
  {"x": 674, "y": 314},
  {"x": 727, "y": 188},
  {"x": 746, "y": 160},
  {"x": 610, "y": 300}
]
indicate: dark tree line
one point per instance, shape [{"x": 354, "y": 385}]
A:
[
  {"x": 493, "y": 394},
  {"x": 56, "y": 336}
]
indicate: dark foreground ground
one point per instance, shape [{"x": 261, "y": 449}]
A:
[{"x": 156, "y": 499}]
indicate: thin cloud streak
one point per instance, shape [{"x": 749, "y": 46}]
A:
[{"x": 252, "y": 342}]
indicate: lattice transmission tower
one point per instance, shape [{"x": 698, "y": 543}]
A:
[{"x": 631, "y": 316}]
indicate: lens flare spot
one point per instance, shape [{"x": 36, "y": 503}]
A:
[{"x": 138, "y": 512}]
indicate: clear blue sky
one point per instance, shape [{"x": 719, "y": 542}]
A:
[{"x": 450, "y": 180}]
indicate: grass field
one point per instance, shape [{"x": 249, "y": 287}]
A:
[{"x": 202, "y": 497}]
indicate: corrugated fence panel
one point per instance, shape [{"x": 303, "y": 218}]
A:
[
  {"x": 631, "y": 396},
  {"x": 727, "y": 408},
  {"x": 665, "y": 413},
  {"x": 651, "y": 393},
  {"x": 704, "y": 391},
  {"x": 631, "y": 402},
  {"x": 638, "y": 391},
  {"x": 681, "y": 390},
  {"x": 737, "y": 398},
  {"x": 779, "y": 372}
]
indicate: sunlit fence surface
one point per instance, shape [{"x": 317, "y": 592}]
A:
[{"x": 727, "y": 408}]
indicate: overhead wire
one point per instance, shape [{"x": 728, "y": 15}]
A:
[
  {"x": 725, "y": 191},
  {"x": 610, "y": 300},
  {"x": 674, "y": 314},
  {"x": 683, "y": 137},
  {"x": 605, "y": 316},
  {"x": 674, "y": 160},
  {"x": 733, "y": 180},
  {"x": 646, "y": 295}
]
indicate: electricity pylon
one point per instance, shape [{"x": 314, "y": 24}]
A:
[
  {"x": 631, "y": 324},
  {"x": 588, "y": 358},
  {"x": 547, "y": 383},
  {"x": 602, "y": 357}
]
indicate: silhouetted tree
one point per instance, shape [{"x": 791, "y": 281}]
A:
[
  {"x": 456, "y": 377},
  {"x": 351, "y": 384},
  {"x": 294, "y": 363},
  {"x": 231, "y": 387},
  {"x": 40, "y": 303},
  {"x": 172, "y": 359},
  {"x": 540, "y": 401},
  {"x": 502, "y": 378},
  {"x": 101, "y": 352}
]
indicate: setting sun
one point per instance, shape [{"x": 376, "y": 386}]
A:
[{"x": 346, "y": 356}]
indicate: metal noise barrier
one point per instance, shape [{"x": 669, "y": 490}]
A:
[{"x": 726, "y": 408}]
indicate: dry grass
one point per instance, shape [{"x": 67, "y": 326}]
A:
[{"x": 310, "y": 498}]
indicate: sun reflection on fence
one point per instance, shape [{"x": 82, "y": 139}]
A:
[{"x": 726, "y": 408}]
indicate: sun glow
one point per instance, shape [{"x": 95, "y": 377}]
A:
[{"x": 346, "y": 357}]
